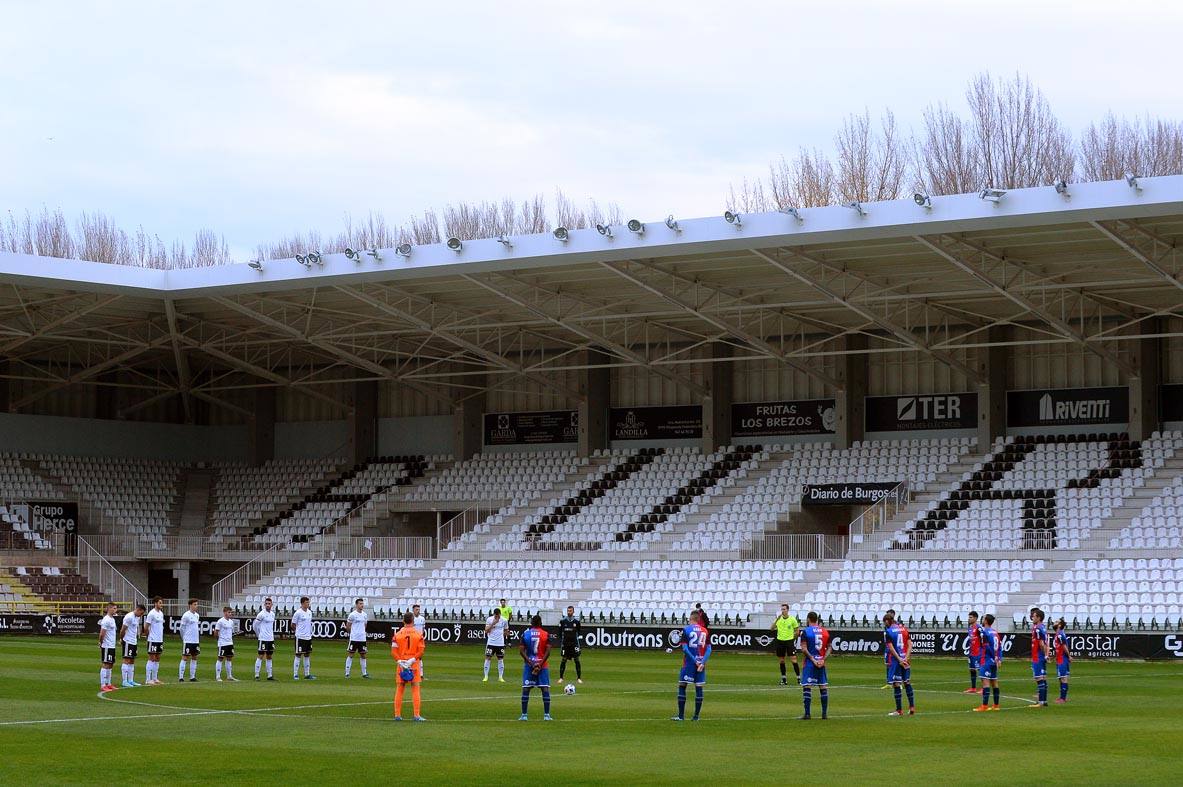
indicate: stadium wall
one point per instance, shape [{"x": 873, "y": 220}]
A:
[
  {"x": 311, "y": 439},
  {"x": 427, "y": 434},
  {"x": 138, "y": 439}
]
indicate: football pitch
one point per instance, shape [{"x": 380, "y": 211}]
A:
[{"x": 1122, "y": 722}]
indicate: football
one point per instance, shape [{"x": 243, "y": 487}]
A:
[{"x": 569, "y": 688}]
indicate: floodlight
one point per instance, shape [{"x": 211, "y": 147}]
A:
[
  {"x": 403, "y": 250},
  {"x": 791, "y": 211},
  {"x": 256, "y": 264},
  {"x": 732, "y": 218},
  {"x": 923, "y": 200},
  {"x": 857, "y": 207},
  {"x": 561, "y": 234},
  {"x": 300, "y": 258},
  {"x": 672, "y": 223},
  {"x": 1132, "y": 180},
  {"x": 636, "y": 226},
  {"x": 1062, "y": 187},
  {"x": 374, "y": 253},
  {"x": 350, "y": 254},
  {"x": 992, "y": 195},
  {"x": 455, "y": 245},
  {"x": 605, "y": 230},
  {"x": 504, "y": 241}
]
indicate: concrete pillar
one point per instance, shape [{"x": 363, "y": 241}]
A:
[
  {"x": 106, "y": 396},
  {"x": 261, "y": 427},
  {"x": 468, "y": 421},
  {"x": 991, "y": 364},
  {"x": 852, "y": 372},
  {"x": 716, "y": 408},
  {"x": 596, "y": 386},
  {"x": 181, "y": 574},
  {"x": 1144, "y": 388},
  {"x": 362, "y": 398}
]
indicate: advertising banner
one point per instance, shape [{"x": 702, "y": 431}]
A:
[
  {"x": 656, "y": 423},
  {"x": 923, "y": 411},
  {"x": 47, "y": 516},
  {"x": 845, "y": 494},
  {"x": 766, "y": 419},
  {"x": 1068, "y": 407},
  {"x": 549, "y": 426}
]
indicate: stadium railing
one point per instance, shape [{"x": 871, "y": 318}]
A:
[
  {"x": 464, "y": 522},
  {"x": 99, "y": 572},
  {"x": 879, "y": 512},
  {"x": 797, "y": 546},
  {"x": 42, "y": 607}
]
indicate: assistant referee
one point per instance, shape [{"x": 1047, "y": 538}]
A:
[{"x": 786, "y": 626}]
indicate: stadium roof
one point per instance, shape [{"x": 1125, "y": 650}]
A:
[{"x": 1088, "y": 267}]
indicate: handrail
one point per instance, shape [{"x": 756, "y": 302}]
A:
[
  {"x": 239, "y": 579},
  {"x": 464, "y": 522},
  {"x": 89, "y": 563},
  {"x": 797, "y": 546},
  {"x": 879, "y": 512}
]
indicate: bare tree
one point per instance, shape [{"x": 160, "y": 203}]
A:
[
  {"x": 532, "y": 216},
  {"x": 806, "y": 182},
  {"x": 424, "y": 229},
  {"x": 871, "y": 164},
  {"x": 1113, "y": 147},
  {"x": 750, "y": 198},
  {"x": 99, "y": 240},
  {"x": 943, "y": 157},
  {"x": 1017, "y": 140}
]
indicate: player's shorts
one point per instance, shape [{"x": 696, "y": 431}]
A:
[
  {"x": 266, "y": 646},
  {"x": 988, "y": 670},
  {"x": 225, "y": 651},
  {"x": 813, "y": 675},
  {"x": 494, "y": 650},
  {"x": 898, "y": 673},
  {"x": 155, "y": 648},
  {"x": 530, "y": 680},
  {"x": 129, "y": 650},
  {"x": 570, "y": 652},
  {"x": 1063, "y": 670},
  {"x": 106, "y": 655},
  {"x": 357, "y": 646},
  {"x": 1039, "y": 669},
  {"x": 691, "y": 674},
  {"x": 785, "y": 648},
  {"x": 974, "y": 662},
  {"x": 192, "y": 649},
  {"x": 303, "y": 647}
]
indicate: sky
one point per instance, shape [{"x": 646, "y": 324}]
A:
[{"x": 259, "y": 119}]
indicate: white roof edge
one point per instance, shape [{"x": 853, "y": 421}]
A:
[{"x": 832, "y": 224}]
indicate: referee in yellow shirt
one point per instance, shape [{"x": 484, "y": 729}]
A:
[{"x": 786, "y": 626}]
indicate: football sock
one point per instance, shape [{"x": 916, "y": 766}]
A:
[
  {"x": 899, "y": 696},
  {"x": 1043, "y": 691},
  {"x": 997, "y": 694},
  {"x": 578, "y": 669},
  {"x": 269, "y": 668},
  {"x": 807, "y": 698},
  {"x": 825, "y": 701},
  {"x": 307, "y": 666},
  {"x": 486, "y": 668},
  {"x": 218, "y": 670},
  {"x": 782, "y": 670},
  {"x": 911, "y": 695},
  {"x": 398, "y": 698},
  {"x": 796, "y": 669},
  {"x": 103, "y": 677},
  {"x": 192, "y": 668},
  {"x": 681, "y": 700},
  {"x": 348, "y": 665},
  {"x": 985, "y": 693},
  {"x": 545, "y": 700},
  {"x": 296, "y": 667},
  {"x": 364, "y": 671},
  {"x": 697, "y": 700},
  {"x": 525, "y": 700},
  {"x": 155, "y": 665},
  {"x": 258, "y": 666},
  {"x": 973, "y": 678},
  {"x": 126, "y": 673},
  {"x": 181, "y": 670},
  {"x": 562, "y": 668},
  {"x": 500, "y": 668},
  {"x": 148, "y": 671},
  {"x": 416, "y": 700},
  {"x": 229, "y": 670},
  {"x": 1063, "y": 691}
]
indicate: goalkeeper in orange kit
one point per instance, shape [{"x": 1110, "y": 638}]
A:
[{"x": 406, "y": 648}]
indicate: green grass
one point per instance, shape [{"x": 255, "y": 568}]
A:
[{"x": 1122, "y": 723}]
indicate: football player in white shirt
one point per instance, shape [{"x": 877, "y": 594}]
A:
[
  {"x": 154, "y": 622},
  {"x": 420, "y": 624},
  {"x": 190, "y": 641},
  {"x": 356, "y": 623},
  {"x": 224, "y": 628},
  {"x": 495, "y": 628},
  {"x": 302, "y": 626},
  {"x": 129, "y": 635},
  {"x": 107, "y": 649},
  {"x": 265, "y": 631}
]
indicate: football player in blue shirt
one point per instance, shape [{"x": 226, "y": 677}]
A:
[
  {"x": 534, "y": 646},
  {"x": 1063, "y": 658},
  {"x": 991, "y": 661},
  {"x": 899, "y": 664},
  {"x": 817, "y": 644},
  {"x": 1039, "y": 657},
  {"x": 696, "y": 649}
]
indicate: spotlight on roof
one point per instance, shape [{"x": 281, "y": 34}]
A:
[
  {"x": 403, "y": 250},
  {"x": 672, "y": 223},
  {"x": 857, "y": 207},
  {"x": 732, "y": 218},
  {"x": 791, "y": 211},
  {"x": 1132, "y": 181},
  {"x": 455, "y": 245},
  {"x": 374, "y": 253},
  {"x": 504, "y": 241},
  {"x": 1062, "y": 187},
  {"x": 636, "y": 226},
  {"x": 992, "y": 195},
  {"x": 303, "y": 260},
  {"x": 256, "y": 264},
  {"x": 923, "y": 200},
  {"x": 561, "y": 234},
  {"x": 350, "y": 254},
  {"x": 605, "y": 230}
]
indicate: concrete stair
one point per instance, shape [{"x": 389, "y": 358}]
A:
[{"x": 195, "y": 487}]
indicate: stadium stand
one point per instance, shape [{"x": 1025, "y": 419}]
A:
[
  {"x": 53, "y": 584},
  {"x": 245, "y": 497},
  {"x": 17, "y": 533},
  {"x": 1119, "y": 593},
  {"x": 1159, "y": 524},
  {"x": 332, "y": 584},
  {"x": 18, "y": 482},
  {"x": 498, "y": 477}
]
